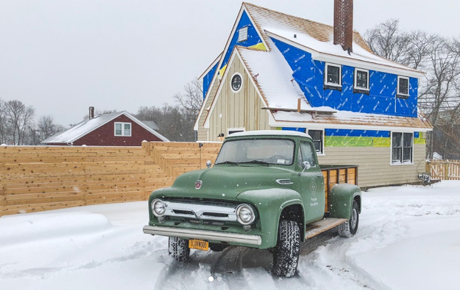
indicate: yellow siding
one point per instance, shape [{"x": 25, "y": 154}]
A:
[
  {"x": 240, "y": 110},
  {"x": 202, "y": 132},
  {"x": 374, "y": 164}
]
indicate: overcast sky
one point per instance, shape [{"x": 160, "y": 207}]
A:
[{"x": 63, "y": 56}]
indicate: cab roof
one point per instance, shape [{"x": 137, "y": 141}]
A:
[{"x": 269, "y": 133}]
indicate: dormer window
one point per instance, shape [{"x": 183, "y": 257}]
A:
[
  {"x": 243, "y": 34},
  {"x": 333, "y": 76},
  {"x": 361, "y": 81},
  {"x": 403, "y": 87}
]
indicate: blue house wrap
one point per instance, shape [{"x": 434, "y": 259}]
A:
[{"x": 382, "y": 99}]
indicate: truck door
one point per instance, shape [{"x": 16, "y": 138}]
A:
[{"x": 312, "y": 182}]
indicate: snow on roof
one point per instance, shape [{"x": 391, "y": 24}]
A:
[
  {"x": 314, "y": 35},
  {"x": 346, "y": 118},
  {"x": 87, "y": 126},
  {"x": 269, "y": 133},
  {"x": 151, "y": 124},
  {"x": 274, "y": 77}
]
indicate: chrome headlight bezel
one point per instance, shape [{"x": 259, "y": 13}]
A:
[
  {"x": 153, "y": 206},
  {"x": 245, "y": 208}
]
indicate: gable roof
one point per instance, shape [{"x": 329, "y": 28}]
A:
[
  {"x": 272, "y": 78},
  {"x": 317, "y": 38},
  {"x": 313, "y": 37},
  {"x": 87, "y": 126}
]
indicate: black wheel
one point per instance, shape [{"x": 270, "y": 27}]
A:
[
  {"x": 286, "y": 252},
  {"x": 178, "y": 249},
  {"x": 349, "y": 228}
]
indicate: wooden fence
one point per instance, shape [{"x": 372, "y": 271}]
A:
[
  {"x": 43, "y": 178},
  {"x": 444, "y": 169}
]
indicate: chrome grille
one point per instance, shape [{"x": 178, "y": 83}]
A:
[{"x": 200, "y": 211}]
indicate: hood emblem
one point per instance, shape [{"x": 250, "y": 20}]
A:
[{"x": 198, "y": 184}]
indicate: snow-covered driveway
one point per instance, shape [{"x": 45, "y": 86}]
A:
[{"x": 409, "y": 238}]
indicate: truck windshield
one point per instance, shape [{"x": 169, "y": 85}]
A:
[{"x": 257, "y": 151}]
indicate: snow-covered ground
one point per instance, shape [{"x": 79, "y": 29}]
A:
[{"x": 408, "y": 238}]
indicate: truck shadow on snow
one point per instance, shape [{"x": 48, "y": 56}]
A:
[{"x": 228, "y": 266}]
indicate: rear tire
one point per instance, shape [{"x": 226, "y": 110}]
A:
[
  {"x": 349, "y": 228},
  {"x": 178, "y": 249},
  {"x": 286, "y": 253}
]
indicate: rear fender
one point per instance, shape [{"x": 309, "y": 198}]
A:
[{"x": 341, "y": 200}]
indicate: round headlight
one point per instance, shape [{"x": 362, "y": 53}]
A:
[
  {"x": 245, "y": 214},
  {"x": 158, "y": 207}
]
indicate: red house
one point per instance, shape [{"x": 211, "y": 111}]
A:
[{"x": 114, "y": 129}]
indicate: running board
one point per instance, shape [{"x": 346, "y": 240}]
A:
[{"x": 321, "y": 226}]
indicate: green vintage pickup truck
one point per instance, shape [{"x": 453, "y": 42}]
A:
[{"x": 266, "y": 190}]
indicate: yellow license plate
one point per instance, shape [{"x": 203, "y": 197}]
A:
[{"x": 198, "y": 245}]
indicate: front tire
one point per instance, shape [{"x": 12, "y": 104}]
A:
[
  {"x": 178, "y": 249},
  {"x": 286, "y": 253},
  {"x": 349, "y": 228}
]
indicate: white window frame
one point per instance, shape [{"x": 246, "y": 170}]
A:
[
  {"x": 231, "y": 79},
  {"x": 243, "y": 34},
  {"x": 122, "y": 129},
  {"x": 356, "y": 79},
  {"x": 401, "y": 162},
  {"x": 327, "y": 64},
  {"x": 408, "y": 86},
  {"x": 321, "y": 152}
]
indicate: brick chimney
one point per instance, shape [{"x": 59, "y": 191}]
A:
[
  {"x": 91, "y": 113},
  {"x": 343, "y": 24}
]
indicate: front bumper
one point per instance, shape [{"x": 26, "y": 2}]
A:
[{"x": 253, "y": 240}]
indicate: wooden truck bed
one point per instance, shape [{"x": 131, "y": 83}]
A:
[{"x": 334, "y": 174}]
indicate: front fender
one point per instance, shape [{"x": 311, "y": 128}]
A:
[
  {"x": 341, "y": 200},
  {"x": 270, "y": 204}
]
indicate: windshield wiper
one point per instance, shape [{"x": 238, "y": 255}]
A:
[
  {"x": 255, "y": 162},
  {"x": 227, "y": 162}
]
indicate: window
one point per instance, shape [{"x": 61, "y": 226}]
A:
[
  {"x": 236, "y": 82},
  {"x": 243, "y": 34},
  {"x": 306, "y": 151},
  {"x": 333, "y": 76},
  {"x": 257, "y": 151},
  {"x": 317, "y": 136},
  {"x": 403, "y": 87},
  {"x": 123, "y": 129},
  {"x": 361, "y": 81},
  {"x": 402, "y": 147}
]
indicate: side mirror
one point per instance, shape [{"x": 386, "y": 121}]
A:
[
  {"x": 306, "y": 165},
  {"x": 208, "y": 163}
]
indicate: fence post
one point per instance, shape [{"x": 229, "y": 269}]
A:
[{"x": 446, "y": 164}]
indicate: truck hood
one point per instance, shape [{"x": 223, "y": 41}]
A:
[{"x": 226, "y": 182}]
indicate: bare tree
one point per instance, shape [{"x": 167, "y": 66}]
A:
[
  {"x": 20, "y": 117},
  {"x": 438, "y": 57},
  {"x": 191, "y": 100},
  {"x": 46, "y": 128},
  {"x": 4, "y": 125},
  {"x": 387, "y": 41},
  {"x": 172, "y": 121}
]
